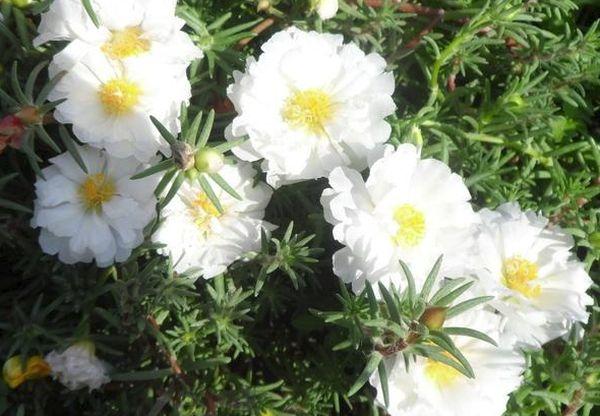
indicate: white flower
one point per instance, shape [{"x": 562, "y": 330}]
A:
[
  {"x": 78, "y": 367},
  {"x": 326, "y": 9},
  {"x": 129, "y": 29},
  {"x": 199, "y": 238},
  {"x": 110, "y": 104},
  {"x": 99, "y": 215},
  {"x": 432, "y": 388},
  {"x": 310, "y": 103},
  {"x": 529, "y": 268},
  {"x": 409, "y": 209}
]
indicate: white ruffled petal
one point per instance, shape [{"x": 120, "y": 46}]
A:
[
  {"x": 107, "y": 230},
  {"x": 559, "y": 284},
  {"x": 357, "y": 86},
  {"x": 201, "y": 241}
]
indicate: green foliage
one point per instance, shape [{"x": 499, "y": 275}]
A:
[
  {"x": 407, "y": 323},
  {"x": 561, "y": 380},
  {"x": 506, "y": 92},
  {"x": 192, "y": 159}
]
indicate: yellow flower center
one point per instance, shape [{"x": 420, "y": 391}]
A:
[
  {"x": 442, "y": 375},
  {"x": 14, "y": 374},
  {"x": 203, "y": 210},
  {"x": 96, "y": 190},
  {"x": 517, "y": 273},
  {"x": 118, "y": 96},
  {"x": 126, "y": 43},
  {"x": 308, "y": 110},
  {"x": 411, "y": 225}
]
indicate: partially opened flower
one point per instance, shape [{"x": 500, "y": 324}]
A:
[
  {"x": 128, "y": 29},
  {"x": 110, "y": 104},
  {"x": 409, "y": 209},
  {"x": 201, "y": 239},
  {"x": 528, "y": 266},
  {"x": 429, "y": 387},
  {"x": 310, "y": 103},
  {"x": 78, "y": 367},
  {"x": 99, "y": 215}
]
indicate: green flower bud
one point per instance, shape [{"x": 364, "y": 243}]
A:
[
  {"x": 208, "y": 161},
  {"x": 517, "y": 100},
  {"x": 415, "y": 137}
]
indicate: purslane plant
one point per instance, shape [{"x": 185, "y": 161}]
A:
[
  {"x": 406, "y": 323},
  {"x": 500, "y": 92}
]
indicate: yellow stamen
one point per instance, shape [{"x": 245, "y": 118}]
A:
[
  {"x": 203, "y": 211},
  {"x": 96, "y": 190},
  {"x": 308, "y": 110},
  {"x": 118, "y": 96},
  {"x": 517, "y": 273},
  {"x": 126, "y": 43},
  {"x": 442, "y": 375},
  {"x": 411, "y": 223},
  {"x": 15, "y": 374}
]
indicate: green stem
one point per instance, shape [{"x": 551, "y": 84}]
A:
[{"x": 446, "y": 54}]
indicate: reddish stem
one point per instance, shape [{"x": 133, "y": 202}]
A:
[
  {"x": 436, "y": 14},
  {"x": 257, "y": 30}
]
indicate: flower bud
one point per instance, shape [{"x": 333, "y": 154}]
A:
[
  {"x": 14, "y": 374},
  {"x": 209, "y": 161},
  {"x": 517, "y": 100},
  {"x": 183, "y": 155},
  {"x": 434, "y": 317},
  {"x": 415, "y": 137},
  {"x": 263, "y": 5},
  {"x": 30, "y": 115},
  {"x": 326, "y": 9},
  {"x": 11, "y": 132}
]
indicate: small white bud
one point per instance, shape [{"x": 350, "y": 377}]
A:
[
  {"x": 326, "y": 9},
  {"x": 263, "y": 5},
  {"x": 209, "y": 161}
]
